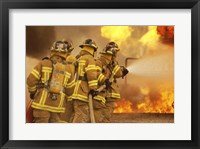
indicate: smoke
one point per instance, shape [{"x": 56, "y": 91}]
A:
[{"x": 39, "y": 40}]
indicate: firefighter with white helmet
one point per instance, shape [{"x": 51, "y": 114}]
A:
[
  {"x": 86, "y": 82},
  {"x": 108, "y": 65},
  {"x": 50, "y": 82}
]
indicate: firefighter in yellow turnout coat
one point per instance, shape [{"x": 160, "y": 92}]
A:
[
  {"x": 86, "y": 81},
  {"x": 48, "y": 84},
  {"x": 68, "y": 104},
  {"x": 108, "y": 64}
]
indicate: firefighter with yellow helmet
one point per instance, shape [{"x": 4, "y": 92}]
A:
[
  {"x": 86, "y": 82},
  {"x": 108, "y": 65},
  {"x": 49, "y": 82}
]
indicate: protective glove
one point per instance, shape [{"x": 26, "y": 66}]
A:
[
  {"x": 93, "y": 93},
  {"x": 108, "y": 83},
  {"x": 124, "y": 71}
]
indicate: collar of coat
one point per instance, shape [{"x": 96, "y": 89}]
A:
[{"x": 84, "y": 52}]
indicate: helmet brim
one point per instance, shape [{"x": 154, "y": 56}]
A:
[{"x": 93, "y": 46}]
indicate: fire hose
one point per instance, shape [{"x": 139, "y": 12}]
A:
[{"x": 101, "y": 88}]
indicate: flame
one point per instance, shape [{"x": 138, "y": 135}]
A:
[
  {"x": 117, "y": 34},
  {"x": 162, "y": 105},
  {"x": 151, "y": 38},
  {"x": 123, "y": 106}
]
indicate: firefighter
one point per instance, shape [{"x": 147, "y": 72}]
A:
[
  {"x": 71, "y": 60},
  {"x": 48, "y": 84},
  {"x": 110, "y": 68},
  {"x": 86, "y": 82}
]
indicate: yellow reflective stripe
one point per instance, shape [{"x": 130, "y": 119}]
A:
[
  {"x": 45, "y": 96},
  {"x": 81, "y": 71},
  {"x": 67, "y": 73},
  {"x": 71, "y": 84},
  {"x": 77, "y": 86},
  {"x": 109, "y": 52},
  {"x": 47, "y": 108},
  {"x": 69, "y": 98},
  {"x": 41, "y": 98},
  {"x": 115, "y": 69},
  {"x": 99, "y": 68},
  {"x": 49, "y": 71},
  {"x": 46, "y": 68},
  {"x": 98, "y": 97},
  {"x": 44, "y": 77},
  {"x": 87, "y": 69},
  {"x": 78, "y": 95},
  {"x": 36, "y": 74},
  {"x": 114, "y": 95},
  {"x": 90, "y": 67},
  {"x": 82, "y": 61},
  {"x": 93, "y": 83},
  {"x": 67, "y": 76},
  {"x": 62, "y": 97},
  {"x": 32, "y": 89},
  {"x": 100, "y": 78}
]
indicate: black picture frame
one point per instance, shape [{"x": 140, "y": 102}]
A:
[{"x": 5, "y": 5}]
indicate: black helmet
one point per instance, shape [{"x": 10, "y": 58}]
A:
[
  {"x": 90, "y": 43},
  {"x": 111, "y": 48},
  {"x": 62, "y": 46},
  {"x": 112, "y": 45}
]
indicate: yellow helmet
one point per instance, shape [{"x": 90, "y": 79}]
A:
[
  {"x": 111, "y": 49},
  {"x": 90, "y": 43}
]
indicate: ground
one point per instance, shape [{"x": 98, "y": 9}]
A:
[{"x": 142, "y": 118}]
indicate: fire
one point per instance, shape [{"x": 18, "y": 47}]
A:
[
  {"x": 117, "y": 34},
  {"x": 151, "y": 38},
  {"x": 123, "y": 106},
  {"x": 164, "y": 104},
  {"x": 167, "y": 33}
]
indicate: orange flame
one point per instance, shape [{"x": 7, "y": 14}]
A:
[{"x": 162, "y": 105}]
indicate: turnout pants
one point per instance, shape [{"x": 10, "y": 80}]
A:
[{"x": 42, "y": 116}]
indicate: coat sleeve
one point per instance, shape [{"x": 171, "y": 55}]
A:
[
  {"x": 34, "y": 78},
  {"x": 71, "y": 81},
  {"x": 117, "y": 71},
  {"x": 91, "y": 73},
  {"x": 101, "y": 77}
]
